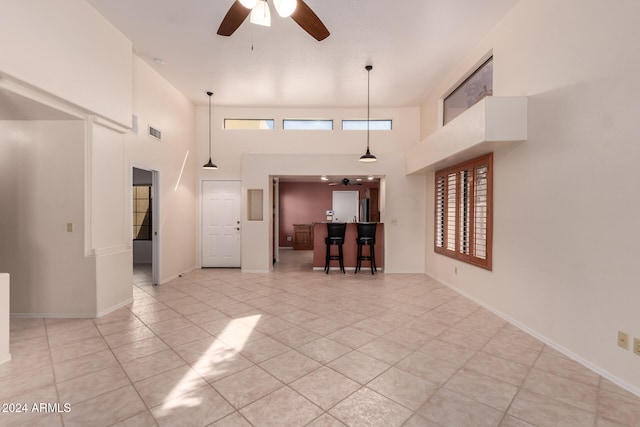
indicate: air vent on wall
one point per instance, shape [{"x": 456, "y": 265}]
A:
[{"x": 155, "y": 133}]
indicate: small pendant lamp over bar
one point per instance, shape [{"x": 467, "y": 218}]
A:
[
  {"x": 210, "y": 164},
  {"x": 368, "y": 157}
]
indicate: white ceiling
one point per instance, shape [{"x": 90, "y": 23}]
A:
[{"x": 410, "y": 43}]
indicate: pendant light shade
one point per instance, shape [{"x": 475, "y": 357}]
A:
[
  {"x": 209, "y": 164},
  {"x": 368, "y": 157},
  {"x": 260, "y": 14},
  {"x": 249, "y": 4},
  {"x": 285, "y": 7}
]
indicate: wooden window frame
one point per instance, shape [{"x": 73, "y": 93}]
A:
[{"x": 466, "y": 244}]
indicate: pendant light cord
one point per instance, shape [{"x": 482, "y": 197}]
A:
[
  {"x": 368, "y": 101},
  {"x": 368, "y": 157},
  {"x": 209, "y": 93}
]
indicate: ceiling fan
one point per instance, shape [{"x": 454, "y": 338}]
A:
[
  {"x": 345, "y": 181},
  {"x": 297, "y": 9}
]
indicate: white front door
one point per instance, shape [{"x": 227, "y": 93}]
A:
[
  {"x": 221, "y": 223},
  {"x": 345, "y": 206}
]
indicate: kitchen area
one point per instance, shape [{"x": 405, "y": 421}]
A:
[{"x": 307, "y": 204}]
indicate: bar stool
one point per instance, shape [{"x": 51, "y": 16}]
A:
[
  {"x": 366, "y": 237},
  {"x": 335, "y": 237}
]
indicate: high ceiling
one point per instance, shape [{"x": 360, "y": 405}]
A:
[{"x": 410, "y": 43}]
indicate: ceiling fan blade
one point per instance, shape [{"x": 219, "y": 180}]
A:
[
  {"x": 309, "y": 21},
  {"x": 235, "y": 16}
]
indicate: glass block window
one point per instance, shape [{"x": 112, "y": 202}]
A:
[{"x": 142, "y": 212}]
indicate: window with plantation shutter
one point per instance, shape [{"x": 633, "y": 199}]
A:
[{"x": 463, "y": 217}]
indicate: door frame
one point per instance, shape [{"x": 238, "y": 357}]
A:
[
  {"x": 275, "y": 229},
  {"x": 155, "y": 219}
]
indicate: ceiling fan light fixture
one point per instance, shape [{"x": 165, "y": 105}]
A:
[
  {"x": 249, "y": 4},
  {"x": 209, "y": 164},
  {"x": 285, "y": 8},
  {"x": 368, "y": 157},
  {"x": 260, "y": 14}
]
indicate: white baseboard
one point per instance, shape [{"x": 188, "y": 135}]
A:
[
  {"x": 114, "y": 308},
  {"x": 71, "y": 315},
  {"x": 175, "y": 276},
  {"x": 53, "y": 315},
  {"x": 362, "y": 269},
  {"x": 605, "y": 374},
  {"x": 334, "y": 268},
  {"x": 5, "y": 358}
]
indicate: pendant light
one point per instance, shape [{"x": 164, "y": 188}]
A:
[
  {"x": 210, "y": 164},
  {"x": 368, "y": 157}
]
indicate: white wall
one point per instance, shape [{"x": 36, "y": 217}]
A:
[
  {"x": 403, "y": 210},
  {"x": 157, "y": 103},
  {"x": 110, "y": 218},
  {"x": 42, "y": 190},
  {"x": 254, "y": 155},
  {"x": 66, "y": 48},
  {"x": 228, "y": 145},
  {"x": 5, "y": 355},
  {"x": 566, "y": 200},
  {"x": 65, "y": 55}
]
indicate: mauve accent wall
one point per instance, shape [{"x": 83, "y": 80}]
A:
[{"x": 307, "y": 202}]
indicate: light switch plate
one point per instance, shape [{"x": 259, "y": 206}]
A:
[{"x": 623, "y": 340}]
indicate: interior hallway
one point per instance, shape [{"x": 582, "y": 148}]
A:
[{"x": 295, "y": 348}]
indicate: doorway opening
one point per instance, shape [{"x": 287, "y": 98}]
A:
[
  {"x": 145, "y": 241},
  {"x": 305, "y": 200}
]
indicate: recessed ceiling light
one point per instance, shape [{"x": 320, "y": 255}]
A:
[
  {"x": 370, "y": 177},
  {"x": 324, "y": 178},
  {"x": 158, "y": 61},
  {"x": 358, "y": 179}
]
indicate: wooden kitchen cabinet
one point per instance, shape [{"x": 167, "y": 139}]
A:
[{"x": 303, "y": 236}]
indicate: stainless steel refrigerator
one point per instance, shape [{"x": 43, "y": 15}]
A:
[{"x": 365, "y": 213}]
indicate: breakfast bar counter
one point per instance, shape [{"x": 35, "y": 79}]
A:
[{"x": 350, "y": 247}]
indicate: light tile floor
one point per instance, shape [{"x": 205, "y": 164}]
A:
[{"x": 294, "y": 348}]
